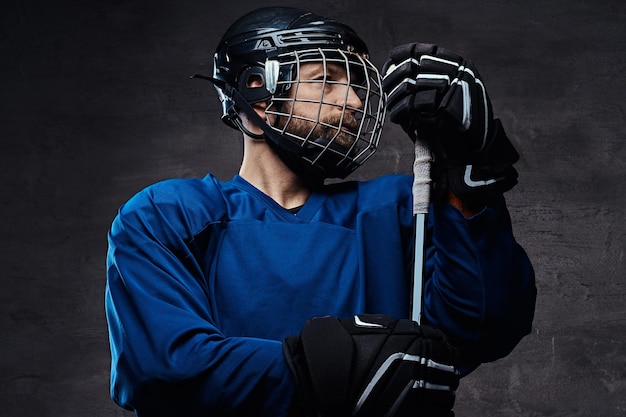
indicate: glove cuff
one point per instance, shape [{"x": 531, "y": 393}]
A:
[{"x": 486, "y": 173}]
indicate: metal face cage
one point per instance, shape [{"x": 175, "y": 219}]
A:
[{"x": 329, "y": 103}]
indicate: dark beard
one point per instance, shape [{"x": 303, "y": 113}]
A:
[{"x": 340, "y": 131}]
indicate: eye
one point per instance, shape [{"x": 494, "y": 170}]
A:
[{"x": 323, "y": 82}]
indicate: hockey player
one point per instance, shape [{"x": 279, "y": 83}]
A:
[{"x": 274, "y": 294}]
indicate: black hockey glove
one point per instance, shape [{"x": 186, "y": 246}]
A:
[
  {"x": 439, "y": 96},
  {"x": 372, "y": 365}
]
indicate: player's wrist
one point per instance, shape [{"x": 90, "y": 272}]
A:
[{"x": 468, "y": 209}]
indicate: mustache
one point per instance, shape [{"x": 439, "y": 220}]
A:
[{"x": 347, "y": 121}]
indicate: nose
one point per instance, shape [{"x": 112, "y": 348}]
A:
[{"x": 352, "y": 99}]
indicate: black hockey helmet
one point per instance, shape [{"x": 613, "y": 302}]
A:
[{"x": 269, "y": 45}]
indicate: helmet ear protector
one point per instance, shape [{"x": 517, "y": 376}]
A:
[
  {"x": 259, "y": 60},
  {"x": 256, "y": 84},
  {"x": 267, "y": 76},
  {"x": 253, "y": 94}
]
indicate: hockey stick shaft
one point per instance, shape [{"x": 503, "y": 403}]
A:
[{"x": 421, "y": 201}]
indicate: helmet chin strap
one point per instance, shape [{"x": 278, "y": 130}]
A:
[
  {"x": 290, "y": 156},
  {"x": 240, "y": 101},
  {"x": 237, "y": 121}
]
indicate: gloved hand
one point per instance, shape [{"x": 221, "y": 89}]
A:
[
  {"x": 439, "y": 96},
  {"x": 372, "y": 365}
]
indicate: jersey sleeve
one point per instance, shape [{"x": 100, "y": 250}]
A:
[
  {"x": 168, "y": 355},
  {"x": 481, "y": 287}
]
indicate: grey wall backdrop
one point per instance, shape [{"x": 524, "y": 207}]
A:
[{"x": 96, "y": 104}]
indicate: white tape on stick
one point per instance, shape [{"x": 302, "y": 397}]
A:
[
  {"x": 421, "y": 201},
  {"x": 421, "y": 178}
]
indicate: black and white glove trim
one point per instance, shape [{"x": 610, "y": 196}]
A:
[
  {"x": 413, "y": 384},
  {"x": 372, "y": 365},
  {"x": 439, "y": 96}
]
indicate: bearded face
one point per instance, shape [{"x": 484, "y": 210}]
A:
[
  {"x": 338, "y": 129},
  {"x": 323, "y": 105},
  {"x": 331, "y": 109}
]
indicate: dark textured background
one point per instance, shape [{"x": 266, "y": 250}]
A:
[{"x": 96, "y": 104}]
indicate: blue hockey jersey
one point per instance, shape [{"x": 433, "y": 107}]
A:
[{"x": 205, "y": 279}]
